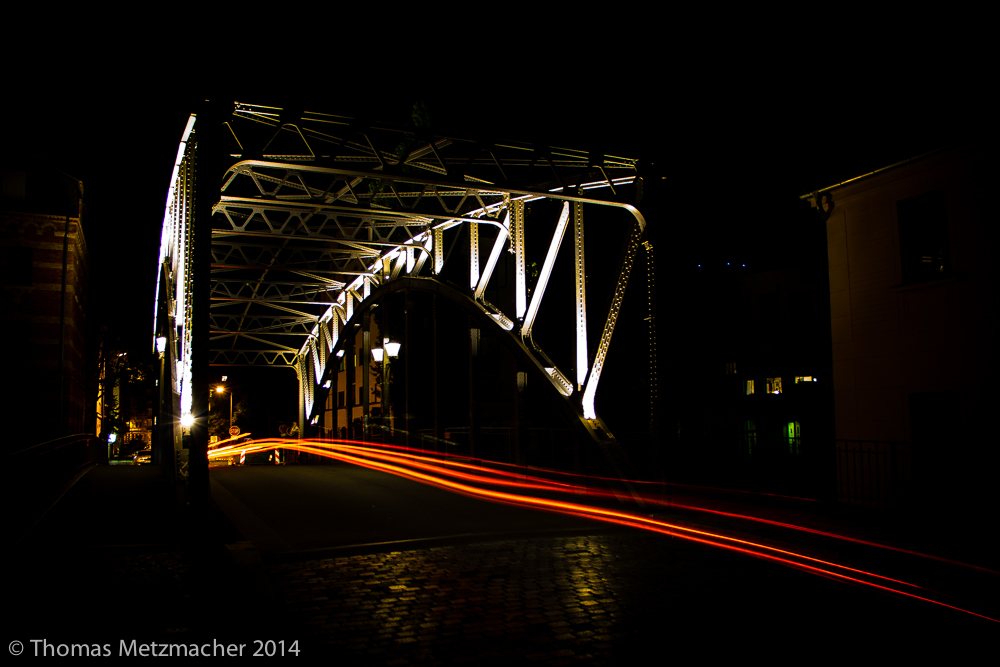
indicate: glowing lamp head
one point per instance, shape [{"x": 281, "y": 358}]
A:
[
  {"x": 220, "y": 390},
  {"x": 161, "y": 344},
  {"x": 392, "y": 349},
  {"x": 187, "y": 420},
  {"x": 377, "y": 354}
]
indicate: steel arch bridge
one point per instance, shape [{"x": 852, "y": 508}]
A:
[{"x": 311, "y": 213}]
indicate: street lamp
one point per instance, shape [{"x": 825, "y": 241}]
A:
[
  {"x": 382, "y": 356},
  {"x": 160, "y": 456},
  {"x": 221, "y": 389}
]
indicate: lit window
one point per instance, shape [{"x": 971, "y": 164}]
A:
[
  {"x": 749, "y": 387},
  {"x": 774, "y": 385},
  {"x": 731, "y": 368},
  {"x": 793, "y": 433},
  {"x": 804, "y": 378}
]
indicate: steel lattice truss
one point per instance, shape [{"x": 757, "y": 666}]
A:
[
  {"x": 174, "y": 272},
  {"x": 316, "y": 210}
]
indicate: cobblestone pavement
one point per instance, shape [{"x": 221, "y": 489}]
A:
[{"x": 587, "y": 600}]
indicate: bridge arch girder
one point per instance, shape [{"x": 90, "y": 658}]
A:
[
  {"x": 573, "y": 412},
  {"x": 302, "y": 233}
]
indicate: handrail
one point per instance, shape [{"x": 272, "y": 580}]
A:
[{"x": 42, "y": 448}]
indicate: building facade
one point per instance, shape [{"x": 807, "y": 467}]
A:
[
  {"x": 914, "y": 330},
  {"x": 43, "y": 292},
  {"x": 344, "y": 413}
]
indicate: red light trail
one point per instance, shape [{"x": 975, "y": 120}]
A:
[{"x": 429, "y": 469}]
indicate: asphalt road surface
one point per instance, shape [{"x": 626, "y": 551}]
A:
[{"x": 290, "y": 511}]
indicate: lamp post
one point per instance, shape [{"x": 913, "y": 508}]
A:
[
  {"x": 160, "y": 451},
  {"x": 164, "y": 452},
  {"x": 221, "y": 389},
  {"x": 382, "y": 356}
]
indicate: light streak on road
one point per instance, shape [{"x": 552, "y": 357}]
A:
[
  {"x": 648, "y": 497},
  {"x": 435, "y": 471},
  {"x": 213, "y": 445}
]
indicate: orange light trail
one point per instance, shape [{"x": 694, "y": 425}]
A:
[
  {"x": 368, "y": 450},
  {"x": 584, "y": 510},
  {"x": 393, "y": 463},
  {"x": 221, "y": 442}
]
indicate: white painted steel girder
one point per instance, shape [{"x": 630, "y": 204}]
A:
[
  {"x": 581, "y": 296},
  {"x": 517, "y": 239},
  {"x": 494, "y": 256},
  {"x": 175, "y": 267},
  {"x": 345, "y": 251}
]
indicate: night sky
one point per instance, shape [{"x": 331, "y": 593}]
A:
[{"x": 726, "y": 142}]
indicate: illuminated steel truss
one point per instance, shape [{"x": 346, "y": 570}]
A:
[
  {"x": 317, "y": 211},
  {"x": 174, "y": 277}
]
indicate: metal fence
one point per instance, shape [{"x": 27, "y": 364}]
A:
[
  {"x": 793, "y": 466},
  {"x": 861, "y": 472},
  {"x": 41, "y": 471},
  {"x": 546, "y": 447},
  {"x": 874, "y": 473}
]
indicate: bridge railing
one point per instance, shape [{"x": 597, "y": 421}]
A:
[
  {"x": 545, "y": 447},
  {"x": 41, "y": 471},
  {"x": 875, "y": 473},
  {"x": 754, "y": 462}
]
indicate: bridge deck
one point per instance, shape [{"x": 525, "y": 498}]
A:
[{"x": 106, "y": 565}]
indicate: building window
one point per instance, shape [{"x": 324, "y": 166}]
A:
[
  {"x": 340, "y": 365},
  {"x": 341, "y": 399},
  {"x": 361, "y": 395},
  {"x": 805, "y": 378},
  {"x": 774, "y": 385},
  {"x": 793, "y": 434},
  {"x": 731, "y": 368},
  {"x": 923, "y": 237},
  {"x": 749, "y": 387},
  {"x": 750, "y": 435}
]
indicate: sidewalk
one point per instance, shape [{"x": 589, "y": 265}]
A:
[{"x": 112, "y": 559}]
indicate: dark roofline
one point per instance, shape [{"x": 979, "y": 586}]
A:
[{"x": 811, "y": 195}]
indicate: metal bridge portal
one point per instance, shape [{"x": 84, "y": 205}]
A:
[{"x": 312, "y": 213}]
